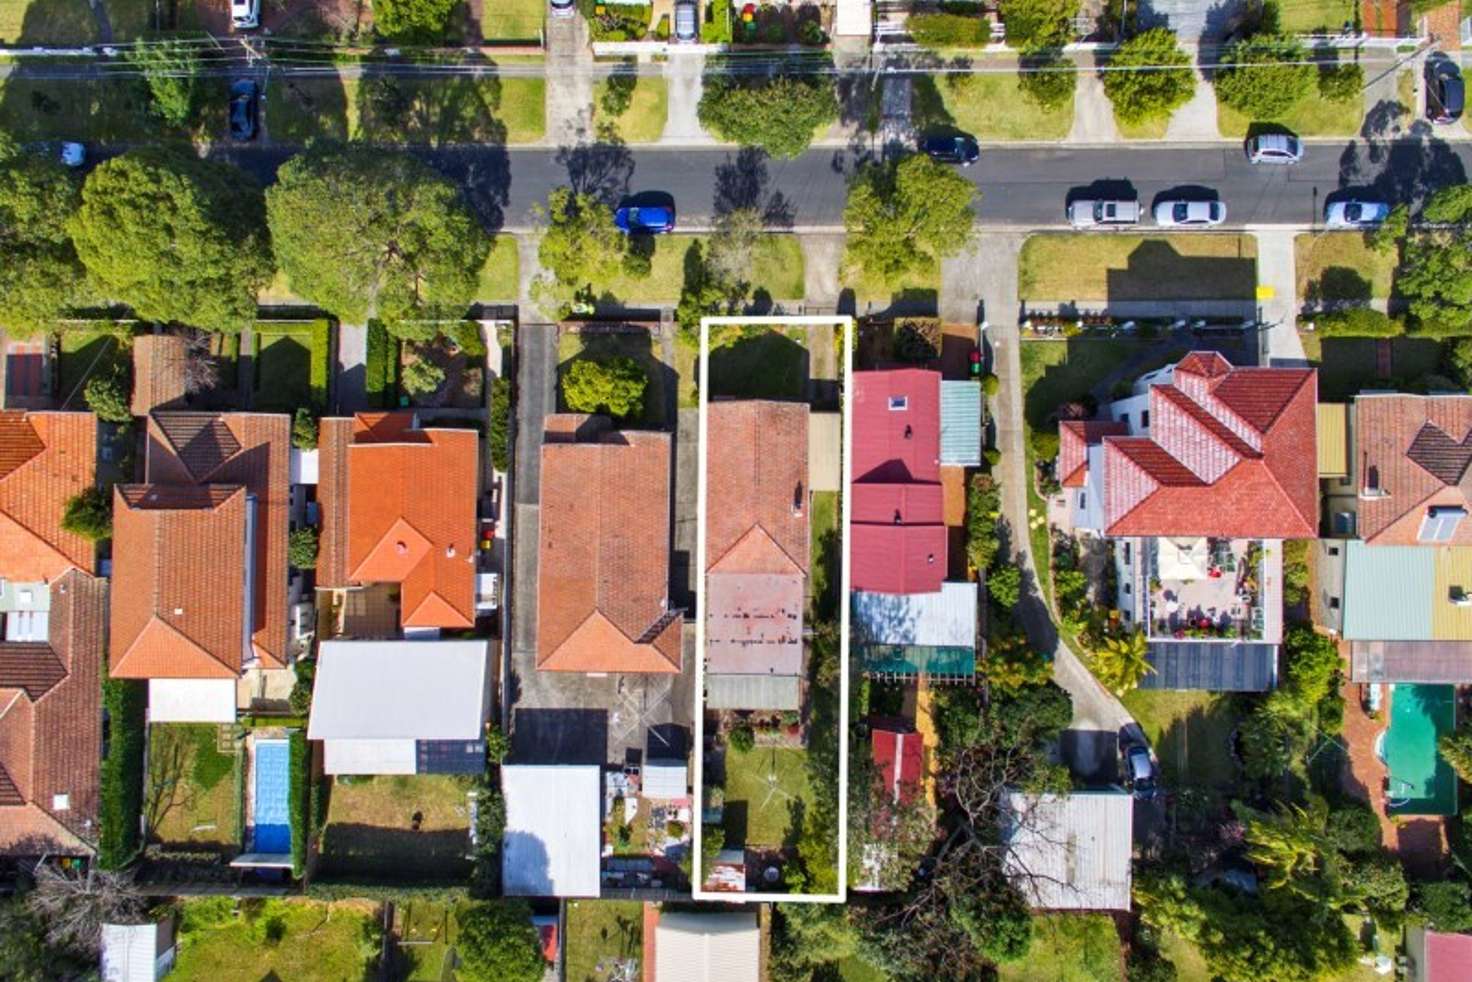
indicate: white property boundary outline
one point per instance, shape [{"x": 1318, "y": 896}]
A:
[{"x": 847, "y": 325}]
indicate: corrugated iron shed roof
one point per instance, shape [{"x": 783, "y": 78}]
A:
[
  {"x": 1070, "y": 852},
  {"x": 770, "y": 692},
  {"x": 1388, "y": 592},
  {"x": 960, "y": 423}
]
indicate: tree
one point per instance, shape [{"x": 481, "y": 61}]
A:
[
  {"x": 1011, "y": 664},
  {"x": 741, "y": 738},
  {"x": 39, "y": 268},
  {"x": 1047, "y": 82},
  {"x": 24, "y": 955},
  {"x": 301, "y": 547},
  {"x": 304, "y": 429},
  {"x": 998, "y": 923},
  {"x": 1149, "y": 77},
  {"x": 498, "y": 943},
  {"x": 418, "y": 21},
  {"x": 808, "y": 936},
  {"x": 1456, "y": 749},
  {"x": 107, "y": 396},
  {"x": 906, "y": 217},
  {"x": 1287, "y": 845},
  {"x": 74, "y": 906},
  {"x": 613, "y": 385},
  {"x": 363, "y": 233},
  {"x": 1121, "y": 662},
  {"x": 1446, "y": 905},
  {"x": 581, "y": 248},
  {"x": 1038, "y": 25},
  {"x": 737, "y": 243},
  {"x": 1264, "y": 76},
  {"x": 1341, "y": 82},
  {"x": 422, "y": 377},
  {"x": 1436, "y": 263},
  {"x": 89, "y": 514},
  {"x": 777, "y": 112},
  {"x": 177, "y": 238},
  {"x": 1310, "y": 666},
  {"x": 171, "y": 69},
  {"x": 1004, "y": 586}
]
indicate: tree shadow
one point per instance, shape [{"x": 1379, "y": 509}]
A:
[
  {"x": 601, "y": 169},
  {"x": 435, "y": 111},
  {"x": 742, "y": 184},
  {"x": 1407, "y": 167},
  {"x": 635, "y": 341},
  {"x": 760, "y": 363},
  {"x": 309, "y": 107},
  {"x": 1338, "y": 284}
]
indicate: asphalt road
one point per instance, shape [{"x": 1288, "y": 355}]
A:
[{"x": 1021, "y": 186}]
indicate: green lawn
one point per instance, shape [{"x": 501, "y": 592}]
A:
[
  {"x": 1150, "y": 129},
  {"x": 193, "y": 794},
  {"x": 1314, "y": 116},
  {"x": 133, "y": 19},
  {"x": 47, "y": 22},
  {"x": 921, "y": 288},
  {"x": 1069, "y": 948},
  {"x": 1055, "y": 372},
  {"x": 512, "y": 20},
  {"x": 767, "y": 363},
  {"x": 1341, "y": 266},
  {"x": 275, "y": 939},
  {"x": 601, "y": 933},
  {"x": 855, "y": 969},
  {"x": 778, "y": 271},
  {"x": 638, "y": 345},
  {"x": 426, "y": 931},
  {"x": 111, "y": 110},
  {"x": 292, "y": 364},
  {"x": 643, "y": 121},
  {"x": 989, "y": 107},
  {"x": 500, "y": 277},
  {"x": 826, "y": 545},
  {"x": 765, "y": 789},
  {"x": 1190, "y": 732},
  {"x": 434, "y": 111},
  {"x": 1316, "y": 16},
  {"x": 370, "y": 827},
  {"x": 1191, "y": 967},
  {"x": 87, "y": 352},
  {"x": 1072, "y": 266},
  {"x": 1347, "y": 365}
]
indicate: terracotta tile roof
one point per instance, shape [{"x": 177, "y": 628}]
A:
[
  {"x": 603, "y": 574},
  {"x": 383, "y": 522},
  {"x": 31, "y": 666},
  {"x": 158, "y": 372},
  {"x": 758, "y": 476},
  {"x": 178, "y": 600},
  {"x": 1229, "y": 452},
  {"x": 51, "y": 741},
  {"x": 1413, "y": 453},
  {"x": 46, "y": 459},
  {"x": 226, "y": 450},
  {"x": 1074, "y": 438}
]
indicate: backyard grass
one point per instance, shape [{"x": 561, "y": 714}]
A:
[
  {"x": 1068, "y": 266},
  {"x": 768, "y": 363},
  {"x": 1191, "y": 733},
  {"x": 512, "y": 20},
  {"x": 1069, "y": 948},
  {"x": 778, "y": 271},
  {"x": 500, "y": 277},
  {"x": 193, "y": 792},
  {"x": 370, "y": 826},
  {"x": 637, "y": 344},
  {"x": 1348, "y": 365},
  {"x": 766, "y": 789},
  {"x": 826, "y": 544},
  {"x": 601, "y": 933},
  {"x": 1313, "y": 116},
  {"x": 47, "y": 22},
  {"x": 87, "y": 352},
  {"x": 275, "y": 939},
  {"x": 426, "y": 931},
  {"x": 989, "y": 107},
  {"x": 1341, "y": 266},
  {"x": 292, "y": 364},
  {"x": 643, "y": 121}
]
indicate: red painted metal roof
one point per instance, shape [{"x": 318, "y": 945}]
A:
[
  {"x": 1448, "y": 957},
  {"x": 899, "y": 756},
  {"x": 896, "y": 421}
]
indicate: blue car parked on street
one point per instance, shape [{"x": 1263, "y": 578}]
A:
[{"x": 645, "y": 219}]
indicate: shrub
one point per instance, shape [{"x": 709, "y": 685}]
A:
[
  {"x": 300, "y": 699},
  {"x": 1295, "y": 571},
  {"x": 304, "y": 429},
  {"x": 89, "y": 514},
  {"x": 298, "y": 775},
  {"x": 1264, "y": 77},
  {"x": 1357, "y": 322},
  {"x": 301, "y": 547},
  {"x": 741, "y": 738},
  {"x": 716, "y": 28},
  {"x": 614, "y": 386},
  {"x": 1046, "y": 82},
  {"x": 497, "y": 943},
  {"x": 107, "y": 396},
  {"x": 942, "y": 30},
  {"x": 1447, "y": 905},
  {"x": 1044, "y": 444},
  {"x": 121, "y": 792},
  {"x": 1039, "y": 25},
  {"x": 422, "y": 377},
  {"x": 990, "y": 384},
  {"x": 810, "y": 33},
  {"x": 983, "y": 502},
  {"x": 416, "y": 21},
  {"x": 498, "y": 435},
  {"x": 1456, "y": 750},
  {"x": 498, "y": 745},
  {"x": 1004, "y": 586},
  {"x": 382, "y": 355},
  {"x": 1341, "y": 83},
  {"x": 917, "y": 339},
  {"x": 992, "y": 456}
]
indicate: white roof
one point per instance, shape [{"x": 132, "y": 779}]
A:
[
  {"x": 385, "y": 690},
  {"x": 553, "y": 838},
  {"x": 191, "y": 700},
  {"x": 854, "y": 18},
  {"x": 130, "y": 952},
  {"x": 1070, "y": 852},
  {"x": 722, "y": 947},
  {"x": 752, "y": 691},
  {"x": 665, "y": 779},
  {"x": 370, "y": 757},
  {"x": 946, "y": 618}
]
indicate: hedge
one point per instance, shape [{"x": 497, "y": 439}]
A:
[
  {"x": 499, "y": 434},
  {"x": 321, "y": 331},
  {"x": 379, "y": 381},
  {"x": 1357, "y": 322},
  {"x": 954, "y": 27},
  {"x": 297, "y": 777},
  {"x": 1439, "y": 329},
  {"x": 331, "y": 888},
  {"x": 121, "y": 804}
]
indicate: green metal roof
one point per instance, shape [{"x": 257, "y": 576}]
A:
[
  {"x": 1388, "y": 592},
  {"x": 960, "y": 423}
]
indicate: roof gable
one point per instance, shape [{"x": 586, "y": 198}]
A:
[
  {"x": 757, "y": 476},
  {"x": 46, "y": 459}
]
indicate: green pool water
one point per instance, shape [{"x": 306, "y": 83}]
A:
[{"x": 1421, "y": 783}]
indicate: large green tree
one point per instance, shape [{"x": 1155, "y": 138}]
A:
[
  {"x": 362, "y": 233},
  {"x": 497, "y": 943},
  {"x": 1264, "y": 76},
  {"x": 171, "y": 69},
  {"x": 1436, "y": 263},
  {"x": 581, "y": 249},
  {"x": 420, "y": 21},
  {"x": 1037, "y": 25},
  {"x": 1149, "y": 77},
  {"x": 779, "y": 113},
  {"x": 176, "y": 238},
  {"x": 612, "y": 385},
  {"x": 39, "y": 269},
  {"x": 903, "y": 218}
]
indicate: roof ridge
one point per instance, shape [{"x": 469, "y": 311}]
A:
[
  {"x": 1213, "y": 426},
  {"x": 155, "y": 619}
]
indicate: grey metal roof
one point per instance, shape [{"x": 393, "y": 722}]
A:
[
  {"x": 1070, "y": 852},
  {"x": 752, "y": 691},
  {"x": 1213, "y": 666},
  {"x": 960, "y": 423},
  {"x": 944, "y": 619},
  {"x": 1411, "y": 661},
  {"x": 1388, "y": 592}
]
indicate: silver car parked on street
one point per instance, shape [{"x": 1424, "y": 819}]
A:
[
  {"x": 1098, "y": 213},
  {"x": 1355, "y": 214}
]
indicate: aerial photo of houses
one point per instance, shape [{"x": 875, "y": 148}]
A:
[{"x": 735, "y": 491}]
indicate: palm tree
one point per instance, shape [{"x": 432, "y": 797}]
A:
[
  {"x": 1121, "y": 663},
  {"x": 1286, "y": 846}
]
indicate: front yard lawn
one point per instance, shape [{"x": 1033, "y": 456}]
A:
[
  {"x": 778, "y": 271},
  {"x": 1191, "y": 733},
  {"x": 1069, "y": 948},
  {"x": 292, "y": 363},
  {"x": 1317, "y": 16},
  {"x": 766, "y": 792},
  {"x": 89, "y": 351},
  {"x": 918, "y": 293},
  {"x": 275, "y": 939},
  {"x": 600, "y": 934},
  {"x": 513, "y": 20},
  {"x": 643, "y": 121},
  {"x": 1314, "y": 116},
  {"x": 1055, "y": 372},
  {"x": 1341, "y": 266},
  {"x": 500, "y": 277},
  {"x": 1067, "y": 266},
  {"x": 768, "y": 363},
  {"x": 638, "y": 344},
  {"x": 47, "y": 22},
  {"x": 989, "y": 106},
  {"x": 1348, "y": 365},
  {"x": 194, "y": 790},
  {"x": 370, "y": 826},
  {"x": 98, "y": 110}
]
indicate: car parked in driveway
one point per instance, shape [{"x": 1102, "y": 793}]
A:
[
  {"x": 1099, "y": 213},
  {"x": 687, "y": 26},
  {"x": 245, "y": 97},
  {"x": 1275, "y": 148},
  {"x": 1445, "y": 92},
  {"x": 562, "y": 8},
  {"x": 1139, "y": 772},
  {"x": 1355, "y": 214},
  {"x": 1190, "y": 214},
  {"x": 645, "y": 219},
  {"x": 951, "y": 148},
  {"x": 245, "y": 14}
]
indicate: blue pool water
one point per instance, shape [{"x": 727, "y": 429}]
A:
[{"x": 272, "y": 833}]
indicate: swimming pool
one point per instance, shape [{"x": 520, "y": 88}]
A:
[
  {"x": 1421, "y": 783},
  {"x": 271, "y": 832}
]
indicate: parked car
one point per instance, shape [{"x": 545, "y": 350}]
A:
[
  {"x": 244, "y": 108},
  {"x": 951, "y": 149},
  {"x": 1444, "y": 91},
  {"x": 645, "y": 219},
  {"x": 1275, "y": 148},
  {"x": 1139, "y": 772},
  {"x": 1190, "y": 214},
  {"x": 562, "y": 8},
  {"x": 1355, "y": 214},
  {"x": 687, "y": 21},
  {"x": 245, "y": 14},
  {"x": 73, "y": 155},
  {"x": 1103, "y": 213}
]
